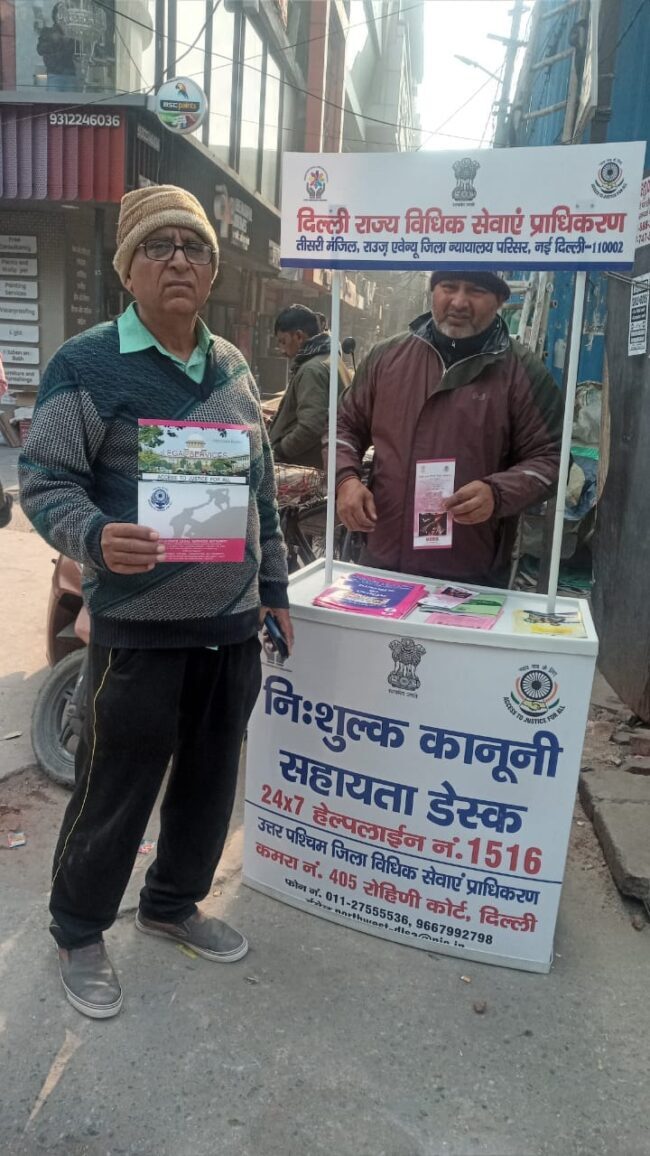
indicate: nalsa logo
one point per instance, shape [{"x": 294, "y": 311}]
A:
[
  {"x": 609, "y": 179},
  {"x": 535, "y": 698},
  {"x": 407, "y": 655},
  {"x": 160, "y": 499},
  {"x": 316, "y": 180},
  {"x": 465, "y": 171}
]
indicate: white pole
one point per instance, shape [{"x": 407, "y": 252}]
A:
[
  {"x": 335, "y": 331},
  {"x": 567, "y": 430}
]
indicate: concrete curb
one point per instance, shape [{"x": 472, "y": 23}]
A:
[{"x": 618, "y": 803}]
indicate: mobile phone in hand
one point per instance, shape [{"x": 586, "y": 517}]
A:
[{"x": 278, "y": 641}]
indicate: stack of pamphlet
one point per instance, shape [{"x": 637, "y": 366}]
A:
[
  {"x": 563, "y": 622},
  {"x": 371, "y": 595},
  {"x": 454, "y": 606}
]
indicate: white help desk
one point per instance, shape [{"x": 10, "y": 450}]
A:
[{"x": 416, "y": 781}]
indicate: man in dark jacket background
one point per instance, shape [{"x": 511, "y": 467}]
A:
[
  {"x": 301, "y": 420},
  {"x": 455, "y": 386}
]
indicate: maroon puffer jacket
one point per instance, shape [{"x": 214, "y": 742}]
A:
[{"x": 498, "y": 413}]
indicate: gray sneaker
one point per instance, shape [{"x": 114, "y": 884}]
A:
[
  {"x": 208, "y": 937},
  {"x": 90, "y": 982}
]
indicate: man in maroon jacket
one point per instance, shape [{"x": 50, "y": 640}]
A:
[{"x": 456, "y": 387}]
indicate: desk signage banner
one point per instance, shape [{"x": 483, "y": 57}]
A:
[
  {"x": 563, "y": 207},
  {"x": 414, "y": 790}
]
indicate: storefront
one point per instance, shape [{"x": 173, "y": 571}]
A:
[
  {"x": 63, "y": 172},
  {"x": 61, "y": 178}
]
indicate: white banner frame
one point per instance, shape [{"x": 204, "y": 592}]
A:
[
  {"x": 561, "y": 207},
  {"x": 615, "y": 175}
]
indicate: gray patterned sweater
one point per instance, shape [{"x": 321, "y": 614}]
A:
[{"x": 78, "y": 472}]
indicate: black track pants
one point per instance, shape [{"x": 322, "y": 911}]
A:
[{"x": 145, "y": 707}]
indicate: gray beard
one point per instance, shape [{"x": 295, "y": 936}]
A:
[{"x": 454, "y": 332}]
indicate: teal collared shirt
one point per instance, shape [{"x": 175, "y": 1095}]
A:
[{"x": 134, "y": 336}]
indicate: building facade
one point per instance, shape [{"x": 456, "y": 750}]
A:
[
  {"x": 77, "y": 131},
  {"x": 584, "y": 81}
]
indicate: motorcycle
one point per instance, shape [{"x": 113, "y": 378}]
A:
[
  {"x": 58, "y": 712},
  {"x": 6, "y": 503}
]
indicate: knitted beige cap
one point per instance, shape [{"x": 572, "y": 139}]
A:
[{"x": 145, "y": 210}]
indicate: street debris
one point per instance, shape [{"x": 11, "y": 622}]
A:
[
  {"x": 61, "y": 1060},
  {"x": 638, "y": 921},
  {"x": 638, "y": 765},
  {"x": 13, "y": 735},
  {"x": 480, "y": 1007},
  {"x": 466, "y": 979},
  {"x": 16, "y": 839},
  {"x": 187, "y": 951},
  {"x": 146, "y": 847},
  {"x": 217, "y": 891},
  {"x": 251, "y": 979}
]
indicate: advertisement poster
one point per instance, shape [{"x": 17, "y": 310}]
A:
[
  {"x": 561, "y": 208},
  {"x": 418, "y": 790},
  {"x": 637, "y": 338},
  {"x": 193, "y": 483},
  {"x": 643, "y": 230}
]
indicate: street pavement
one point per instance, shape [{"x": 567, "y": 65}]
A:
[
  {"x": 25, "y": 577},
  {"x": 323, "y": 1041}
]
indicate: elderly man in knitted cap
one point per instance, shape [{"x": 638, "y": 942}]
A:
[
  {"x": 466, "y": 426},
  {"x": 174, "y": 665}
]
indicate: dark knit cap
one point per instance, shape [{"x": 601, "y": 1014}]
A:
[{"x": 482, "y": 277}]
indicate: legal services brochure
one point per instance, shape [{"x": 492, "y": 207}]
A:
[
  {"x": 371, "y": 595},
  {"x": 193, "y": 487},
  {"x": 567, "y": 623},
  {"x": 477, "y": 612},
  {"x": 432, "y": 524}
]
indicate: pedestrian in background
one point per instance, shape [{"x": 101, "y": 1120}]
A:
[{"x": 297, "y": 430}]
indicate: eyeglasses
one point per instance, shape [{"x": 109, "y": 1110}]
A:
[{"x": 163, "y": 250}]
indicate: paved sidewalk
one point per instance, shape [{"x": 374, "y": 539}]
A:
[
  {"x": 324, "y": 1041},
  {"x": 26, "y": 569}
]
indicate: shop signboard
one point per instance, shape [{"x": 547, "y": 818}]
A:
[
  {"x": 181, "y": 105},
  {"x": 557, "y": 208},
  {"x": 18, "y": 311},
  {"x": 14, "y": 331},
  {"x": 18, "y": 267},
  {"x": 19, "y": 354},
  {"x": 19, "y": 290},
  {"x": 16, "y": 244},
  {"x": 20, "y": 377}
]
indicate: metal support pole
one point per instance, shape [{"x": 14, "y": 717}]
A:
[
  {"x": 567, "y": 430},
  {"x": 335, "y": 331},
  {"x": 512, "y": 44},
  {"x": 159, "y": 66}
]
